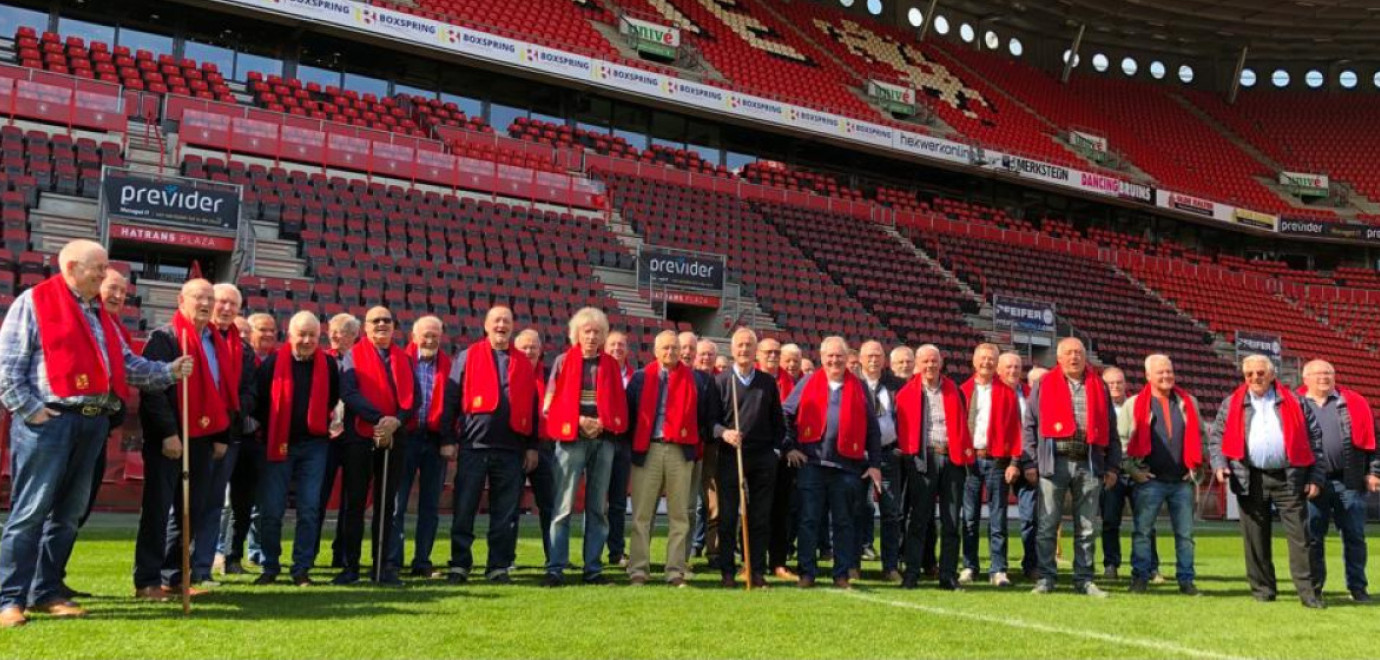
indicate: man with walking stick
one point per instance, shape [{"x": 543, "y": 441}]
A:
[
  {"x": 752, "y": 427},
  {"x": 64, "y": 369}
]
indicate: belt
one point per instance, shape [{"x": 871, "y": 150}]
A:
[
  {"x": 982, "y": 453},
  {"x": 85, "y": 410},
  {"x": 1071, "y": 449},
  {"x": 939, "y": 449}
]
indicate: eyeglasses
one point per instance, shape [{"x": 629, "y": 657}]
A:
[{"x": 379, "y": 321}]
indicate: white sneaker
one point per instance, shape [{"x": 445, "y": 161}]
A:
[
  {"x": 965, "y": 576},
  {"x": 1000, "y": 580}
]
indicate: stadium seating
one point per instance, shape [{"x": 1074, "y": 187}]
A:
[
  {"x": 556, "y": 23},
  {"x": 140, "y": 70}
]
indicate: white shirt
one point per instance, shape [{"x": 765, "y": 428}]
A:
[
  {"x": 938, "y": 432},
  {"x": 1265, "y": 438},
  {"x": 982, "y": 413}
]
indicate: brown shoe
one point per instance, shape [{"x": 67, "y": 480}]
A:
[
  {"x": 728, "y": 582},
  {"x": 62, "y": 609},
  {"x": 783, "y": 573},
  {"x": 12, "y": 617},
  {"x": 176, "y": 590},
  {"x": 843, "y": 583},
  {"x": 891, "y": 576},
  {"x": 806, "y": 582},
  {"x": 638, "y": 580},
  {"x": 854, "y": 574},
  {"x": 155, "y": 594},
  {"x": 676, "y": 582},
  {"x": 759, "y": 582}
]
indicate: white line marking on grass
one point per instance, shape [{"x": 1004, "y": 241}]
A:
[{"x": 1153, "y": 645}]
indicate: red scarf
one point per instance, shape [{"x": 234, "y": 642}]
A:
[
  {"x": 69, "y": 347},
  {"x": 784, "y": 383},
  {"x": 480, "y": 394},
  {"x": 1362, "y": 419},
  {"x": 682, "y": 402},
  {"x": 1056, "y": 407},
  {"x": 812, "y": 416},
  {"x": 438, "y": 389},
  {"x": 562, "y": 419},
  {"x": 1139, "y": 446},
  {"x": 539, "y": 377},
  {"x": 280, "y": 406},
  {"x": 232, "y": 371},
  {"x": 1296, "y": 446},
  {"x": 910, "y": 420},
  {"x": 208, "y": 408},
  {"x": 373, "y": 382},
  {"x": 1003, "y": 420}
]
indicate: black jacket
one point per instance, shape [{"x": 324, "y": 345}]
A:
[
  {"x": 158, "y": 410},
  {"x": 707, "y": 398},
  {"x": 1240, "y": 475}
]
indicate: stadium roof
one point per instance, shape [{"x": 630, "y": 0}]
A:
[{"x": 1299, "y": 30}]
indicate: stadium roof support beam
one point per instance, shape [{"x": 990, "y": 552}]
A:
[
  {"x": 927, "y": 19},
  {"x": 1236, "y": 75},
  {"x": 1073, "y": 53}
]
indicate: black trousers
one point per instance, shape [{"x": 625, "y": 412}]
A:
[
  {"x": 158, "y": 548},
  {"x": 759, "y": 469},
  {"x": 333, "y": 453},
  {"x": 1267, "y": 487},
  {"x": 362, "y": 475},
  {"x": 941, "y": 480},
  {"x": 244, "y": 486},
  {"x": 784, "y": 515},
  {"x": 97, "y": 478}
]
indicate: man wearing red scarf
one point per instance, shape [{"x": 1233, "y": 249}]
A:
[
  {"x": 935, "y": 446},
  {"x": 833, "y": 439},
  {"x": 1009, "y": 367},
  {"x": 157, "y": 553},
  {"x": 422, "y": 455},
  {"x": 586, "y": 411},
  {"x": 769, "y": 353},
  {"x": 994, "y": 419},
  {"x": 616, "y": 345},
  {"x": 1162, "y": 435},
  {"x": 236, "y": 523},
  {"x": 64, "y": 372},
  {"x": 1351, "y": 469},
  {"x": 297, "y": 388},
  {"x": 706, "y": 541},
  {"x": 673, "y": 415},
  {"x": 342, "y": 331},
  {"x": 378, "y": 383},
  {"x": 542, "y": 478},
  {"x": 493, "y": 391},
  {"x": 1265, "y": 443},
  {"x": 1071, "y": 447},
  {"x": 881, "y": 387},
  {"x": 114, "y": 290}
]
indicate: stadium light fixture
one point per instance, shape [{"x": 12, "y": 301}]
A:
[
  {"x": 941, "y": 24},
  {"x": 1248, "y": 77},
  {"x": 966, "y": 33},
  {"x": 1314, "y": 79},
  {"x": 1100, "y": 62},
  {"x": 874, "y": 7},
  {"x": 1280, "y": 78},
  {"x": 991, "y": 40},
  {"x": 1129, "y": 66},
  {"x": 915, "y": 16},
  {"x": 1348, "y": 79},
  {"x": 1185, "y": 74},
  {"x": 1157, "y": 70},
  {"x": 1015, "y": 46}
]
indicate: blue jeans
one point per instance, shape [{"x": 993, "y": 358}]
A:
[
  {"x": 1027, "y": 498},
  {"x": 1113, "y": 504},
  {"x": 1177, "y": 496},
  {"x": 619, "y": 478},
  {"x": 543, "y": 481},
  {"x": 421, "y": 454},
  {"x": 837, "y": 491},
  {"x": 985, "y": 474},
  {"x": 51, "y": 468},
  {"x": 572, "y": 460},
  {"x": 304, "y": 470},
  {"x": 1348, "y": 508},
  {"x": 1076, "y": 480},
  {"x": 889, "y": 510},
  {"x": 502, "y": 470},
  {"x": 209, "y": 528}
]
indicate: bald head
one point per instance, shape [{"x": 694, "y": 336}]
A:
[
  {"x": 378, "y": 326},
  {"x": 114, "y": 289},
  {"x": 83, "y": 264},
  {"x": 196, "y": 301}
]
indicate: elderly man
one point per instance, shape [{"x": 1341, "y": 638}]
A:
[
  {"x": 994, "y": 418},
  {"x": 378, "y": 383},
  {"x": 64, "y": 370},
  {"x": 240, "y": 372},
  {"x": 298, "y": 387},
  {"x": 586, "y": 412},
  {"x": 673, "y": 416},
  {"x": 687, "y": 345},
  {"x": 902, "y": 363},
  {"x": 342, "y": 332},
  {"x": 616, "y": 345},
  {"x": 542, "y": 478},
  {"x": 213, "y": 395},
  {"x": 791, "y": 355},
  {"x": 1351, "y": 471},
  {"x": 493, "y": 392},
  {"x": 1162, "y": 438},
  {"x": 807, "y": 367},
  {"x": 833, "y": 438},
  {"x": 706, "y": 541},
  {"x": 1265, "y": 442},
  {"x": 114, "y": 290},
  {"x": 1113, "y": 502},
  {"x": 750, "y": 418},
  {"x": 1009, "y": 366},
  {"x": 706, "y": 354},
  {"x": 783, "y": 516},
  {"x": 1071, "y": 447},
  {"x": 936, "y": 449},
  {"x": 881, "y": 388},
  {"x": 422, "y": 451},
  {"x": 236, "y": 523},
  {"x": 722, "y": 363}
]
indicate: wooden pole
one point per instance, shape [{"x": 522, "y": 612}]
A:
[
  {"x": 742, "y": 488},
  {"x": 186, "y": 494}
]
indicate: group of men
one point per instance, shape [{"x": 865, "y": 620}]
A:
[{"x": 811, "y": 448}]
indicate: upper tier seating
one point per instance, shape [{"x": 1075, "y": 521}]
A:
[{"x": 139, "y": 71}]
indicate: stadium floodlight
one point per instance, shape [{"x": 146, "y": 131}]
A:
[
  {"x": 1015, "y": 46},
  {"x": 846, "y": 3},
  {"x": 1348, "y": 79},
  {"x": 966, "y": 33},
  {"x": 1100, "y": 62},
  {"x": 1280, "y": 78},
  {"x": 1185, "y": 74},
  {"x": 915, "y": 17},
  {"x": 1157, "y": 69},
  {"x": 990, "y": 40},
  {"x": 1313, "y": 79},
  {"x": 1076, "y": 59},
  {"x": 1376, "y": 80},
  {"x": 874, "y": 7},
  {"x": 941, "y": 24},
  {"x": 1248, "y": 77},
  {"x": 1129, "y": 66}
]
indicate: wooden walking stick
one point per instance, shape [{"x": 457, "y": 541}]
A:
[
  {"x": 742, "y": 488},
  {"x": 381, "y": 503},
  {"x": 186, "y": 493}
]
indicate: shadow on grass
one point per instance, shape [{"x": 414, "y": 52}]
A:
[{"x": 316, "y": 603}]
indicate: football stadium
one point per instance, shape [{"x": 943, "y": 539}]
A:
[{"x": 711, "y": 328}]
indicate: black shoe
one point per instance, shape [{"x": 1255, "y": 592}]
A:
[
  {"x": 420, "y": 571},
  {"x": 501, "y": 578},
  {"x": 596, "y": 580},
  {"x": 1138, "y": 586},
  {"x": 949, "y": 584},
  {"x": 1360, "y": 596},
  {"x": 234, "y": 568},
  {"x": 910, "y": 582},
  {"x": 456, "y": 577},
  {"x": 1188, "y": 589},
  {"x": 266, "y": 579},
  {"x": 827, "y": 555},
  {"x": 698, "y": 551},
  {"x": 1314, "y": 603},
  {"x": 346, "y": 578},
  {"x": 553, "y": 580},
  {"x": 1263, "y": 598},
  {"x": 337, "y": 562},
  {"x": 389, "y": 579},
  {"x": 68, "y": 593},
  {"x": 302, "y": 580}
]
